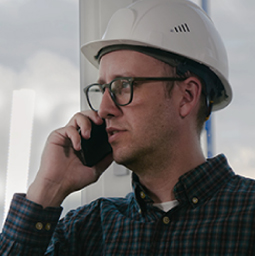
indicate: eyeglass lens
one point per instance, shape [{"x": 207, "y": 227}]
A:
[
  {"x": 94, "y": 96},
  {"x": 120, "y": 90}
]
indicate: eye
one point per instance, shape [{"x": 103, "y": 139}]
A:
[
  {"x": 120, "y": 86},
  {"x": 125, "y": 84}
]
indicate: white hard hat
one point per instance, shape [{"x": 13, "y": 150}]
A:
[{"x": 176, "y": 26}]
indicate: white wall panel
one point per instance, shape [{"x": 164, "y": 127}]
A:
[{"x": 94, "y": 16}]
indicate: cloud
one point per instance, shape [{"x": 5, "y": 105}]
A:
[
  {"x": 29, "y": 26},
  {"x": 8, "y": 78},
  {"x": 39, "y": 47},
  {"x": 55, "y": 80},
  {"x": 22, "y": 2},
  {"x": 234, "y": 126},
  {"x": 40, "y": 50}
]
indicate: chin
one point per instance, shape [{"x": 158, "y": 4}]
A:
[
  {"x": 130, "y": 162},
  {"x": 123, "y": 158},
  {"x": 129, "y": 157}
]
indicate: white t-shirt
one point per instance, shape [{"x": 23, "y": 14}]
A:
[{"x": 166, "y": 206}]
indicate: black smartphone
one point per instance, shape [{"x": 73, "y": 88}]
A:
[{"x": 96, "y": 147}]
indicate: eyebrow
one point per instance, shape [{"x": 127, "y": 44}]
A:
[{"x": 128, "y": 74}]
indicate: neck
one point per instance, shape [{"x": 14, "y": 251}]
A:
[{"x": 159, "y": 179}]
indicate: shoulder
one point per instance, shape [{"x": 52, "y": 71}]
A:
[
  {"x": 240, "y": 184},
  {"x": 239, "y": 192}
]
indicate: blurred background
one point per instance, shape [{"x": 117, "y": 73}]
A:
[{"x": 40, "y": 86}]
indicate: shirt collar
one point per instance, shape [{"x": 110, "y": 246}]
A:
[
  {"x": 201, "y": 183},
  {"x": 194, "y": 187}
]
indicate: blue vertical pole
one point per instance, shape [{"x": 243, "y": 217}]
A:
[
  {"x": 205, "y": 5},
  {"x": 209, "y": 137},
  {"x": 208, "y": 124}
]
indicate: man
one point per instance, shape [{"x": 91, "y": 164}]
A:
[{"x": 162, "y": 69}]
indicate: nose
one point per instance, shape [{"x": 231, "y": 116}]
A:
[{"x": 108, "y": 108}]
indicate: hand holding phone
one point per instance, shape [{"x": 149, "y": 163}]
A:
[{"x": 96, "y": 147}]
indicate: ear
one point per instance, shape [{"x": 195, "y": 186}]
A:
[{"x": 191, "y": 89}]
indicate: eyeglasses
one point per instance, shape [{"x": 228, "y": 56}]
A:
[{"x": 121, "y": 90}]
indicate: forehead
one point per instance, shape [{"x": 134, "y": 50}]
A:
[{"x": 129, "y": 63}]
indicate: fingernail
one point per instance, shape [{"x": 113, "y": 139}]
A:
[{"x": 87, "y": 134}]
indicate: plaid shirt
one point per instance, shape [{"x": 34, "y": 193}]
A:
[{"x": 215, "y": 216}]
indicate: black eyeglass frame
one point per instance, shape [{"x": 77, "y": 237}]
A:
[{"x": 131, "y": 80}]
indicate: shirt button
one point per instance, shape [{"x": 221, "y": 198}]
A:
[
  {"x": 142, "y": 195},
  {"x": 166, "y": 220},
  {"x": 39, "y": 226},
  {"x": 48, "y": 226},
  {"x": 195, "y": 200}
]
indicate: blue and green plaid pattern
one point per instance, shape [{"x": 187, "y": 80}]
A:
[{"x": 215, "y": 216}]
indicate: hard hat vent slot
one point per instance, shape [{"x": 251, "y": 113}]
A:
[{"x": 181, "y": 28}]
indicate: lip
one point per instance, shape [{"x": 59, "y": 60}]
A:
[{"x": 113, "y": 133}]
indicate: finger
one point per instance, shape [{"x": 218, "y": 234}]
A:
[
  {"x": 68, "y": 133},
  {"x": 82, "y": 121},
  {"x": 93, "y": 116}
]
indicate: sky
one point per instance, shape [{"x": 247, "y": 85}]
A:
[
  {"x": 39, "y": 50},
  {"x": 235, "y": 126}
]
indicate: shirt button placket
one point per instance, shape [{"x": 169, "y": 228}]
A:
[
  {"x": 48, "y": 226},
  {"x": 195, "y": 200},
  {"x": 39, "y": 226},
  {"x": 166, "y": 220},
  {"x": 142, "y": 195}
]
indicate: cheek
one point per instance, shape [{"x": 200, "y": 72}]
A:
[
  {"x": 147, "y": 122},
  {"x": 149, "y": 112}
]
